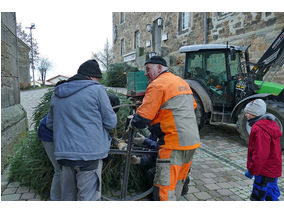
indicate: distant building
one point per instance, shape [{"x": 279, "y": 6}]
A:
[
  {"x": 54, "y": 80},
  {"x": 138, "y": 35}
]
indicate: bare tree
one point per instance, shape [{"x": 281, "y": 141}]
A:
[
  {"x": 26, "y": 38},
  {"x": 104, "y": 57},
  {"x": 44, "y": 65}
]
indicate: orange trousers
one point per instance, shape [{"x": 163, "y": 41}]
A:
[{"x": 172, "y": 168}]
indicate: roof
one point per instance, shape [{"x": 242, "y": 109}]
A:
[
  {"x": 194, "y": 48},
  {"x": 58, "y": 76}
]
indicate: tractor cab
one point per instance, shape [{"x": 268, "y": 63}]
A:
[{"x": 216, "y": 67}]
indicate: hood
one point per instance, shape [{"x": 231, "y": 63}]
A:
[
  {"x": 269, "y": 126},
  {"x": 69, "y": 88}
]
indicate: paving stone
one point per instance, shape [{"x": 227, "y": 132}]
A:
[
  {"x": 212, "y": 186},
  {"x": 23, "y": 189},
  {"x": 202, "y": 195},
  {"x": 214, "y": 193},
  {"x": 192, "y": 189},
  {"x": 12, "y": 197},
  {"x": 209, "y": 180},
  {"x": 236, "y": 198},
  {"x": 201, "y": 188},
  {"x": 224, "y": 185},
  {"x": 199, "y": 182},
  {"x": 233, "y": 184},
  {"x": 191, "y": 197},
  {"x": 224, "y": 192},
  {"x": 27, "y": 196},
  {"x": 209, "y": 175},
  {"x": 9, "y": 191},
  {"x": 226, "y": 198},
  {"x": 13, "y": 184},
  {"x": 219, "y": 179},
  {"x": 3, "y": 185}
]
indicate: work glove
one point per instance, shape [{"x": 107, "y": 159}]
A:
[
  {"x": 249, "y": 175},
  {"x": 135, "y": 160},
  {"x": 130, "y": 125},
  {"x": 122, "y": 145},
  {"x": 139, "y": 139}
]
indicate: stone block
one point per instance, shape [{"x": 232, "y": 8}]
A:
[
  {"x": 191, "y": 197},
  {"x": 9, "y": 191},
  {"x": 27, "y": 196},
  {"x": 13, "y": 184},
  {"x": 12, "y": 197},
  {"x": 212, "y": 186},
  {"x": 23, "y": 189},
  {"x": 224, "y": 192},
  {"x": 203, "y": 195}
]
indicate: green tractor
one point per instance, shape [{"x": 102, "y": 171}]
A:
[{"x": 224, "y": 81}]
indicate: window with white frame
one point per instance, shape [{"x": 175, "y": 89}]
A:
[
  {"x": 136, "y": 39},
  {"x": 122, "y": 46},
  {"x": 184, "y": 21}
]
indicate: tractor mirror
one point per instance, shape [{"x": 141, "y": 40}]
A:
[{"x": 232, "y": 54}]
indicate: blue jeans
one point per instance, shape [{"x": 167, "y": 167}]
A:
[
  {"x": 265, "y": 188},
  {"x": 55, "y": 184}
]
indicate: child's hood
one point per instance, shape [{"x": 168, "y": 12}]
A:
[{"x": 269, "y": 126}]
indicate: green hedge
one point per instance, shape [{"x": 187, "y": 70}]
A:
[{"x": 117, "y": 73}]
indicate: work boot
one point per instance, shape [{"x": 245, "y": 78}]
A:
[{"x": 185, "y": 186}]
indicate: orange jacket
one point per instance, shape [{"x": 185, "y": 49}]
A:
[{"x": 169, "y": 104}]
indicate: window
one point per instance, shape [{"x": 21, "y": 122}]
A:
[
  {"x": 184, "y": 21},
  {"x": 122, "y": 46},
  {"x": 136, "y": 39},
  {"x": 122, "y": 17},
  {"x": 114, "y": 33}
]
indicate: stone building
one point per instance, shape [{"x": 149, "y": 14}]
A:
[
  {"x": 13, "y": 116},
  {"x": 136, "y": 35}
]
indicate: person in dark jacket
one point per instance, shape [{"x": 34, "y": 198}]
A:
[
  {"x": 151, "y": 142},
  {"x": 264, "y": 160},
  {"x": 80, "y": 116}
]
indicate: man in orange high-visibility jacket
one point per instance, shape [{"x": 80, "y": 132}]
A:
[{"x": 168, "y": 109}]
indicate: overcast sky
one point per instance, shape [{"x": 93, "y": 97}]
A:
[
  {"x": 68, "y": 31},
  {"x": 67, "y": 34}
]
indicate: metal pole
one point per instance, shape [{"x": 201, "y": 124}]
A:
[
  {"x": 127, "y": 165},
  {"x": 205, "y": 28},
  {"x": 33, "y": 67}
]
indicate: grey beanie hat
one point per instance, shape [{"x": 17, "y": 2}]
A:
[{"x": 256, "y": 107}]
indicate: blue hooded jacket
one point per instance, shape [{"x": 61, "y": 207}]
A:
[
  {"x": 44, "y": 133},
  {"x": 80, "y": 114}
]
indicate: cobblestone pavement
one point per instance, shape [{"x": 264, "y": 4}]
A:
[
  {"x": 29, "y": 99},
  {"x": 217, "y": 172}
]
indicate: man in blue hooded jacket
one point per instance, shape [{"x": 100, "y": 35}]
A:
[{"x": 80, "y": 114}]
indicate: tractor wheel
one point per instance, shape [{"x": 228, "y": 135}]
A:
[
  {"x": 199, "y": 112},
  {"x": 273, "y": 107}
]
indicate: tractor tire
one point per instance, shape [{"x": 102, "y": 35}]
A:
[
  {"x": 199, "y": 112},
  {"x": 273, "y": 107}
]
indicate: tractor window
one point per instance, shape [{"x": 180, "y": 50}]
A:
[
  {"x": 195, "y": 68},
  {"x": 234, "y": 65},
  {"x": 216, "y": 66},
  {"x": 216, "y": 75}
]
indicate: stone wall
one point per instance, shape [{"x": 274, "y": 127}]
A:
[
  {"x": 13, "y": 116},
  {"x": 237, "y": 28},
  {"x": 24, "y": 65}
]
